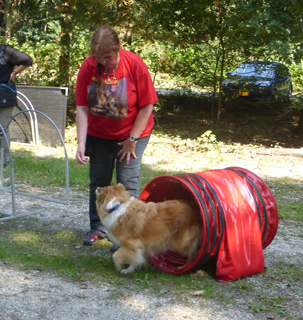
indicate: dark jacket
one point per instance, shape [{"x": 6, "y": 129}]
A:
[{"x": 9, "y": 58}]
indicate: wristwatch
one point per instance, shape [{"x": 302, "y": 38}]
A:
[{"x": 132, "y": 138}]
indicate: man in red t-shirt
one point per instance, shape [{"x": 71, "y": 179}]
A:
[{"x": 114, "y": 97}]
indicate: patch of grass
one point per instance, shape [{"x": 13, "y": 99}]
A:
[
  {"x": 287, "y": 271},
  {"x": 266, "y": 304},
  {"x": 275, "y": 297},
  {"x": 288, "y": 196},
  {"x": 43, "y": 166},
  {"x": 61, "y": 253}
]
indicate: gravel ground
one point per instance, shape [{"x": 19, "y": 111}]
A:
[
  {"x": 33, "y": 296},
  {"x": 36, "y": 295}
]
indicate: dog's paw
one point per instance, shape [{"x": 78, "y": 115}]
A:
[
  {"x": 117, "y": 264},
  {"x": 118, "y": 267},
  {"x": 185, "y": 265},
  {"x": 130, "y": 269}
]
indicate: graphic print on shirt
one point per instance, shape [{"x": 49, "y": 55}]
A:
[{"x": 108, "y": 99}]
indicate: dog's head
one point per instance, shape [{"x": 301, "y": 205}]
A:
[{"x": 108, "y": 197}]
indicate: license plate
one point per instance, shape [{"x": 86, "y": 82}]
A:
[{"x": 244, "y": 94}]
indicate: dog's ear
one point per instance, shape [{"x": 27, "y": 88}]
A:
[
  {"x": 120, "y": 187},
  {"x": 97, "y": 191}
]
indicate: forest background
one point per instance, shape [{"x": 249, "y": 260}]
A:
[{"x": 185, "y": 43}]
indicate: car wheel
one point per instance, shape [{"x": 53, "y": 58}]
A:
[{"x": 275, "y": 95}]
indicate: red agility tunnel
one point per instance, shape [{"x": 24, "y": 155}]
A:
[{"x": 239, "y": 215}]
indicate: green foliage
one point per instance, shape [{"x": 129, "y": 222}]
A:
[
  {"x": 296, "y": 70},
  {"x": 192, "y": 42}
]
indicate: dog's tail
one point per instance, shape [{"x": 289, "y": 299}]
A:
[{"x": 195, "y": 244}]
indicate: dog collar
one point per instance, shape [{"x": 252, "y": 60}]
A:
[{"x": 114, "y": 208}]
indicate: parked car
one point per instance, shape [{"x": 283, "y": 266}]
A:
[{"x": 259, "y": 80}]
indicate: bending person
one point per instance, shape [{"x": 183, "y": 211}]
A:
[{"x": 12, "y": 62}]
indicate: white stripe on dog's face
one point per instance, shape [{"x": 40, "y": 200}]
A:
[
  {"x": 113, "y": 202},
  {"x": 111, "y": 218}
]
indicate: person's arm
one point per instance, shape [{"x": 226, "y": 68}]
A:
[
  {"x": 128, "y": 147},
  {"x": 141, "y": 120},
  {"x": 18, "y": 59},
  {"x": 17, "y": 70},
  {"x": 81, "y": 123}
]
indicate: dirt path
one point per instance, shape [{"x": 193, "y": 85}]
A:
[{"x": 33, "y": 296}]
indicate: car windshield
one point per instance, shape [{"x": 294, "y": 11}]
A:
[{"x": 257, "y": 70}]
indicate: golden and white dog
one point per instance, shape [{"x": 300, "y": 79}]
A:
[{"x": 141, "y": 228}]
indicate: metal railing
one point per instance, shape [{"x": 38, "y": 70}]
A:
[{"x": 13, "y": 188}]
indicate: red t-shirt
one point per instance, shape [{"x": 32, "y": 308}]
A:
[{"x": 115, "y": 103}]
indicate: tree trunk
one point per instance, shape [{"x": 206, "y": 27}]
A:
[
  {"x": 221, "y": 79},
  {"x": 2, "y": 6},
  {"x": 300, "y": 124},
  {"x": 8, "y": 14},
  {"x": 64, "y": 63},
  {"x": 214, "y": 88}
]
